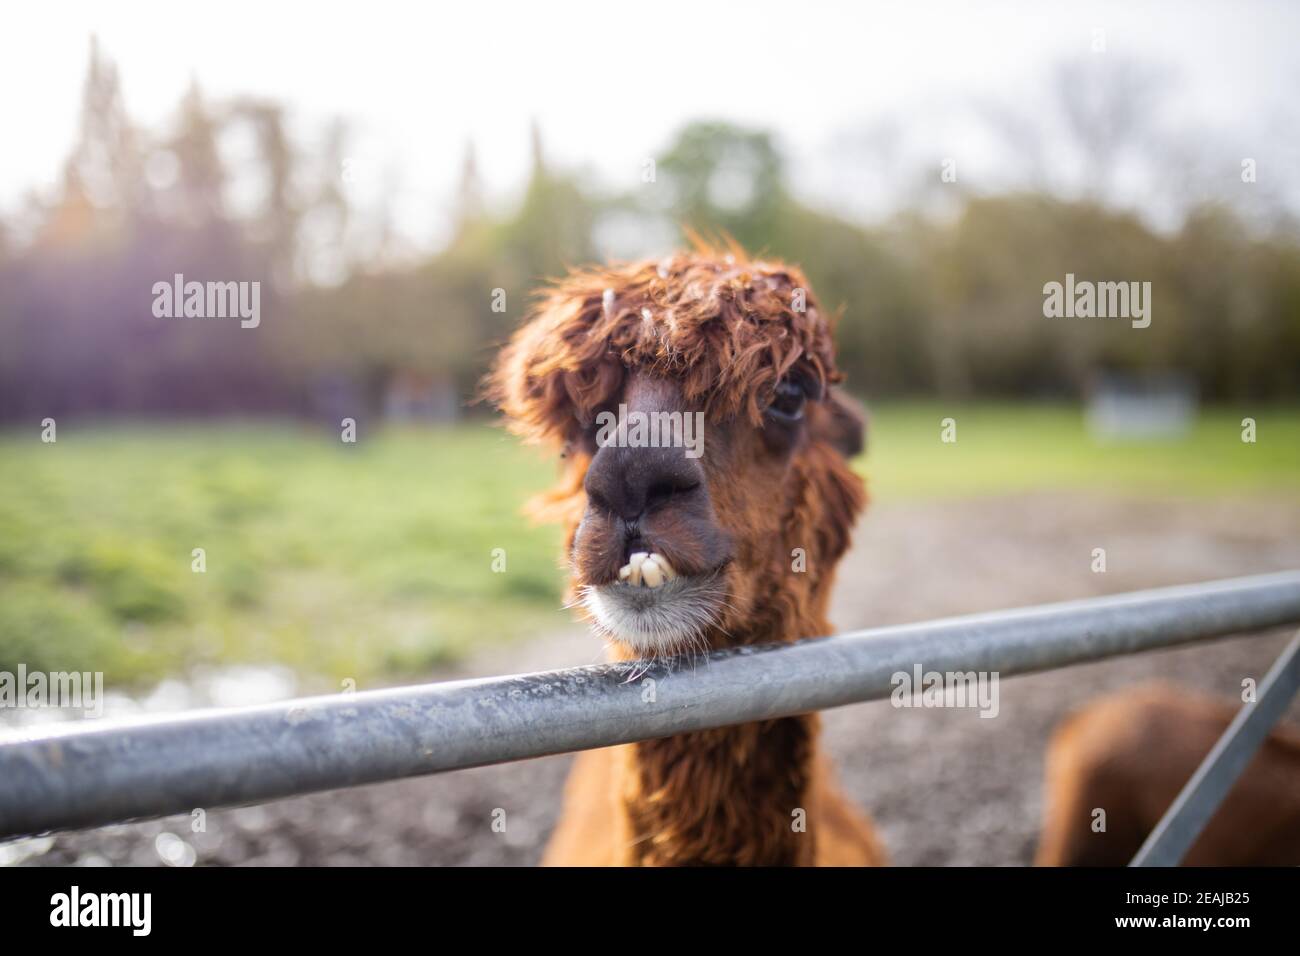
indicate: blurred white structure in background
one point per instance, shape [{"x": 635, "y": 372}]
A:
[{"x": 1130, "y": 408}]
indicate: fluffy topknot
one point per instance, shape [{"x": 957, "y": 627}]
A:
[{"x": 725, "y": 327}]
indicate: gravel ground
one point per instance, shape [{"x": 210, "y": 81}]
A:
[{"x": 944, "y": 786}]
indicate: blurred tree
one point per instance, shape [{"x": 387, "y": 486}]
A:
[
  {"x": 936, "y": 301},
  {"x": 276, "y": 224},
  {"x": 469, "y": 208},
  {"x": 723, "y": 177},
  {"x": 200, "y": 183},
  {"x": 106, "y": 161}
]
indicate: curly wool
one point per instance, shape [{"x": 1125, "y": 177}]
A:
[{"x": 725, "y": 327}]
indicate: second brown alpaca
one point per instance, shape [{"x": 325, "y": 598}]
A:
[
  {"x": 1130, "y": 753},
  {"x": 747, "y": 535}
]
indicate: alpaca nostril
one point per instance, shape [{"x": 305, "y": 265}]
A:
[
  {"x": 598, "y": 500},
  {"x": 661, "y": 492},
  {"x": 631, "y": 482}
]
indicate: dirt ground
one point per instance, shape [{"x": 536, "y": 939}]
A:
[{"x": 944, "y": 786}]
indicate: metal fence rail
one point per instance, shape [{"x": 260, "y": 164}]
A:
[{"x": 71, "y": 777}]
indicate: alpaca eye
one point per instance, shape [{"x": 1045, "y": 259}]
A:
[{"x": 788, "y": 401}]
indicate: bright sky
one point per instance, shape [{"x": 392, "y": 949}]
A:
[{"x": 608, "y": 82}]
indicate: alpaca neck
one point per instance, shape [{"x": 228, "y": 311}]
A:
[
  {"x": 733, "y": 796},
  {"x": 728, "y": 796}
]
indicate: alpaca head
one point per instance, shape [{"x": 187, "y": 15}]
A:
[{"x": 707, "y": 492}]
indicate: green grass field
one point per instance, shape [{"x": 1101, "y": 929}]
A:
[
  {"x": 375, "y": 560},
  {"x": 1010, "y": 448},
  {"x": 338, "y": 560}
]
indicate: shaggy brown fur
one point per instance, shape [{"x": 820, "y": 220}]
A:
[
  {"x": 1131, "y": 753},
  {"x": 715, "y": 332},
  {"x": 722, "y": 326}
]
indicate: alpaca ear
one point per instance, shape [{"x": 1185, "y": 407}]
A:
[{"x": 846, "y": 427}]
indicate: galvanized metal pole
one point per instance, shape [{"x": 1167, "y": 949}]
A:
[
  {"x": 1195, "y": 805},
  {"x": 87, "y": 777}
]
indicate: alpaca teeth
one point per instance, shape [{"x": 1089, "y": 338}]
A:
[
  {"x": 651, "y": 576},
  {"x": 635, "y": 564},
  {"x": 646, "y": 569}
]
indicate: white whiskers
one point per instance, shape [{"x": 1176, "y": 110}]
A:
[{"x": 671, "y": 619}]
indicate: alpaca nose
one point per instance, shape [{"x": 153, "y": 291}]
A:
[{"x": 629, "y": 482}]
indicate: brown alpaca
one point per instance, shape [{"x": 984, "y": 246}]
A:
[
  {"x": 1130, "y": 754},
  {"x": 671, "y": 551}
]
